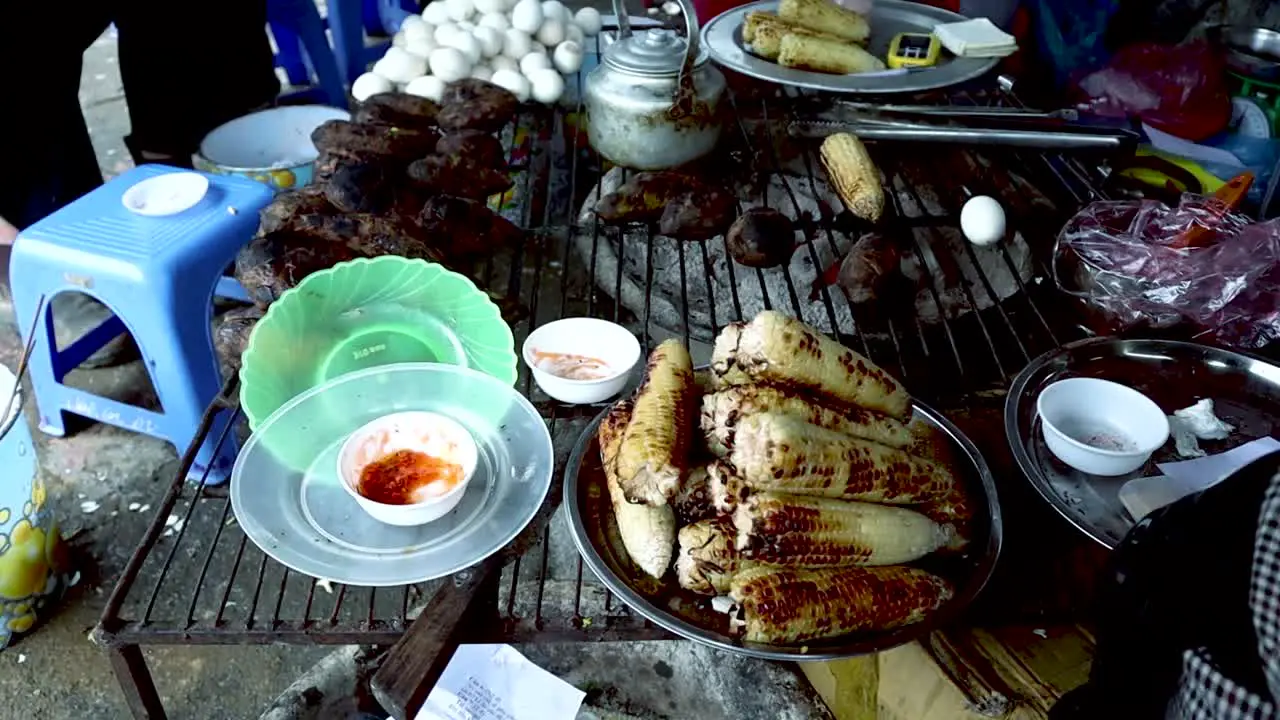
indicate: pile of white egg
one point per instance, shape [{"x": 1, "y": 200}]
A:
[{"x": 526, "y": 46}]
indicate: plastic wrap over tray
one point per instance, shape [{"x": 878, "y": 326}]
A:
[{"x": 1139, "y": 264}]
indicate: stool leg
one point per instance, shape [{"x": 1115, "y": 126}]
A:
[
  {"x": 301, "y": 17},
  {"x": 40, "y": 367},
  {"x": 348, "y": 36},
  {"x": 289, "y": 55}
]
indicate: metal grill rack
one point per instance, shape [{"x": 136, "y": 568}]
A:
[{"x": 195, "y": 579}]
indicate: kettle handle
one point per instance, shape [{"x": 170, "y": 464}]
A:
[{"x": 692, "y": 42}]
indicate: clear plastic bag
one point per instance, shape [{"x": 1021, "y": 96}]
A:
[{"x": 1130, "y": 260}]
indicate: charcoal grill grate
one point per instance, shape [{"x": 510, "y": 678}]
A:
[{"x": 239, "y": 595}]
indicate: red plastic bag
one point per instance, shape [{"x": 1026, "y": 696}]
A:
[
  {"x": 1122, "y": 258},
  {"x": 1178, "y": 89}
]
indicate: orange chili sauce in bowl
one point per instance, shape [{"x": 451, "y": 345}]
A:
[{"x": 400, "y": 478}]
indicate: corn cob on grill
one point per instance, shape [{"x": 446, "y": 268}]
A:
[
  {"x": 791, "y": 605},
  {"x": 721, "y": 411},
  {"x": 783, "y": 454},
  {"x": 648, "y": 532},
  {"x": 774, "y": 349},
  {"x": 853, "y": 175},
  {"x": 654, "y": 452},
  {"x": 826, "y": 16},
  {"x": 707, "y": 560},
  {"x": 813, "y": 532}
]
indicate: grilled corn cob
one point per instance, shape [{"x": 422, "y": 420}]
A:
[
  {"x": 774, "y": 349},
  {"x": 707, "y": 560},
  {"x": 826, "y": 16},
  {"x": 721, "y": 412},
  {"x": 954, "y": 508},
  {"x": 813, "y": 532},
  {"x": 727, "y": 489},
  {"x": 655, "y": 447},
  {"x": 693, "y": 501},
  {"x": 853, "y": 175},
  {"x": 648, "y": 532},
  {"x": 783, "y": 454},
  {"x": 805, "y": 52},
  {"x": 764, "y": 31},
  {"x": 783, "y": 605}
]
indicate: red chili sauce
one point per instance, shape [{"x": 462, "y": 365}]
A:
[{"x": 396, "y": 478}]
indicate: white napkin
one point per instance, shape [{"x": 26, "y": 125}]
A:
[
  {"x": 495, "y": 682},
  {"x": 978, "y": 38},
  {"x": 1141, "y": 496}
]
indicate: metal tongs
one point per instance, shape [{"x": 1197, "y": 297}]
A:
[{"x": 974, "y": 125}]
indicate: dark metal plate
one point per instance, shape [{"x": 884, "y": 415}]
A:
[
  {"x": 1245, "y": 392},
  {"x": 690, "y": 616}
]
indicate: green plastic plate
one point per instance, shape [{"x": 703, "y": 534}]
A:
[{"x": 368, "y": 313}]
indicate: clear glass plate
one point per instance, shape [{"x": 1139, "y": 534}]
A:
[{"x": 306, "y": 521}]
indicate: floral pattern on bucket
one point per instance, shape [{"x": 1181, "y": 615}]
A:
[{"x": 34, "y": 564}]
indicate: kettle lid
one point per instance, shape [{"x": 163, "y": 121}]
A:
[{"x": 654, "y": 52}]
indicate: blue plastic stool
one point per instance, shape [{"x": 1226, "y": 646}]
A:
[
  {"x": 301, "y": 42},
  {"x": 157, "y": 275}
]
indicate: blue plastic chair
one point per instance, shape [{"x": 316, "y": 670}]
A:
[
  {"x": 158, "y": 276},
  {"x": 303, "y": 48}
]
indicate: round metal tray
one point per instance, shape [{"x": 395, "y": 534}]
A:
[
  {"x": 690, "y": 616},
  {"x": 722, "y": 38},
  {"x": 1245, "y": 392}
]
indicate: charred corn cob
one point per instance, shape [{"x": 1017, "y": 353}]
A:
[
  {"x": 655, "y": 447},
  {"x": 834, "y": 56},
  {"x": 693, "y": 501},
  {"x": 954, "y": 508},
  {"x": 814, "y": 532},
  {"x": 648, "y": 532},
  {"x": 774, "y": 349},
  {"x": 721, "y": 412},
  {"x": 764, "y": 31},
  {"x": 853, "y": 175},
  {"x": 780, "y": 453},
  {"x": 707, "y": 560},
  {"x": 791, "y": 605},
  {"x": 727, "y": 489},
  {"x": 826, "y": 16}
]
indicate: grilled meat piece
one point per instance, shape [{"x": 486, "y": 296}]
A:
[
  {"x": 723, "y": 410},
  {"x": 699, "y": 214},
  {"x": 727, "y": 489},
  {"x": 342, "y": 138},
  {"x": 360, "y": 187},
  {"x": 398, "y": 110},
  {"x": 646, "y": 196},
  {"x": 693, "y": 501},
  {"x": 655, "y": 449},
  {"x": 471, "y": 104},
  {"x": 781, "y": 453},
  {"x": 481, "y": 148},
  {"x": 786, "y": 605},
  {"x": 458, "y": 175},
  {"x": 231, "y": 336},
  {"x": 812, "y": 532},
  {"x": 775, "y": 349},
  {"x": 761, "y": 238},
  {"x": 280, "y": 213},
  {"x": 648, "y": 532},
  {"x": 275, "y": 262},
  {"x": 707, "y": 559},
  {"x": 466, "y": 227}
]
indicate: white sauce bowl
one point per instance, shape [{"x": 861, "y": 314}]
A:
[
  {"x": 608, "y": 342},
  {"x": 426, "y": 432},
  {"x": 1100, "y": 427}
]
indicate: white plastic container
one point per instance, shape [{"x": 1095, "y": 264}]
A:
[
  {"x": 612, "y": 345},
  {"x": 426, "y": 432},
  {"x": 1100, "y": 427}
]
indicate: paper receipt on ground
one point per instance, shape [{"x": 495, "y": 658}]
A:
[{"x": 495, "y": 682}]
